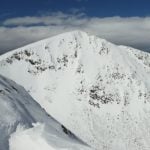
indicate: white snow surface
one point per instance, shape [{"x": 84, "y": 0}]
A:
[
  {"x": 98, "y": 90},
  {"x": 24, "y": 125}
]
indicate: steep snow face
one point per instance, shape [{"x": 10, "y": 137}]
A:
[
  {"x": 98, "y": 90},
  {"x": 18, "y": 112}
]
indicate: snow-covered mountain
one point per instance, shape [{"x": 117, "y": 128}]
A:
[
  {"x": 24, "y": 125},
  {"x": 98, "y": 90}
]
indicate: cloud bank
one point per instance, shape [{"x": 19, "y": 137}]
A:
[{"x": 132, "y": 31}]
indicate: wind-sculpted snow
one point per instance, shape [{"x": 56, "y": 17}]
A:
[
  {"x": 99, "y": 91},
  {"x": 25, "y": 125}
]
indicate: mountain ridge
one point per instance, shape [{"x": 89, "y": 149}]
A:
[
  {"x": 81, "y": 79},
  {"x": 20, "y": 115},
  {"x": 69, "y": 32}
]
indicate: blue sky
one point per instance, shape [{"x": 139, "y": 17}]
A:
[
  {"x": 124, "y": 22},
  {"x": 99, "y": 8}
]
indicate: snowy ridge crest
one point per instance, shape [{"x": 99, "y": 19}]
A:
[{"x": 25, "y": 125}]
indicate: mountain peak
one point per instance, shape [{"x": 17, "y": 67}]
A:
[
  {"x": 76, "y": 32},
  {"x": 84, "y": 80}
]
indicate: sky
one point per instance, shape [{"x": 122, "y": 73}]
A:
[{"x": 123, "y": 22}]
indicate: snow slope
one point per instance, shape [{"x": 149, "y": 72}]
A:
[
  {"x": 98, "y": 90},
  {"x": 25, "y": 125}
]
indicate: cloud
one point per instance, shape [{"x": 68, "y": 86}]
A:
[
  {"x": 76, "y": 11},
  {"x": 58, "y": 18},
  {"x": 132, "y": 31}
]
